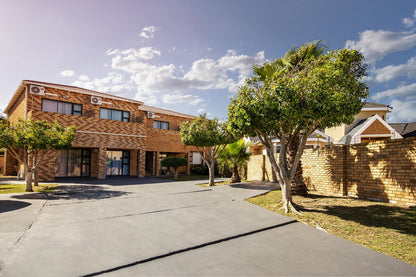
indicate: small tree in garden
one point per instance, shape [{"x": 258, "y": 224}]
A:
[
  {"x": 327, "y": 92},
  {"x": 210, "y": 138},
  {"x": 28, "y": 141},
  {"x": 236, "y": 156},
  {"x": 175, "y": 163}
]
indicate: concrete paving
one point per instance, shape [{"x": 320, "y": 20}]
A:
[{"x": 135, "y": 227}]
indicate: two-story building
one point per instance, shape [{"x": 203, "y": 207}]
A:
[{"x": 115, "y": 136}]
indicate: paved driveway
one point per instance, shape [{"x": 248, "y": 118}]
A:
[{"x": 133, "y": 227}]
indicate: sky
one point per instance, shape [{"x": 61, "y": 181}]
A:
[{"x": 191, "y": 56}]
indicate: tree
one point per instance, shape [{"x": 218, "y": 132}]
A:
[
  {"x": 209, "y": 136},
  {"x": 28, "y": 141},
  {"x": 174, "y": 162},
  {"x": 236, "y": 156},
  {"x": 328, "y": 91},
  {"x": 295, "y": 60}
]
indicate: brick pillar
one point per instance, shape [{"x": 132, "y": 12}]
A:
[
  {"x": 157, "y": 163},
  {"x": 101, "y": 163},
  {"x": 133, "y": 162},
  {"x": 10, "y": 164},
  {"x": 142, "y": 163}
]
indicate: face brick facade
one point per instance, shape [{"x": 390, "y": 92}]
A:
[{"x": 128, "y": 144}]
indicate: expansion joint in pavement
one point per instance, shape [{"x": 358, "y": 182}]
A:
[{"x": 190, "y": 248}]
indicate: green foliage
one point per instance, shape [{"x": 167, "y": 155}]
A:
[
  {"x": 174, "y": 162},
  {"x": 235, "y": 154},
  {"x": 204, "y": 132},
  {"x": 36, "y": 135}
]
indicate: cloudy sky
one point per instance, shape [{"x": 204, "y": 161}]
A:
[{"x": 191, "y": 56}]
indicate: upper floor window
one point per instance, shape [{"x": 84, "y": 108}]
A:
[
  {"x": 161, "y": 125},
  {"x": 61, "y": 107},
  {"x": 114, "y": 114}
]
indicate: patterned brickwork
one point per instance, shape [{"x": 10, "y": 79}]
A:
[
  {"x": 2, "y": 168},
  {"x": 376, "y": 128},
  {"x": 379, "y": 170},
  {"x": 101, "y": 134},
  {"x": 11, "y": 166}
]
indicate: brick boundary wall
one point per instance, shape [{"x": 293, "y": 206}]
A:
[{"x": 379, "y": 170}]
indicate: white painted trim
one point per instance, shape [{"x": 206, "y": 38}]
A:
[
  {"x": 111, "y": 134},
  {"x": 393, "y": 133},
  {"x": 388, "y": 109}
]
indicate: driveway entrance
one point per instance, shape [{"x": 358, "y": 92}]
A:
[{"x": 134, "y": 227}]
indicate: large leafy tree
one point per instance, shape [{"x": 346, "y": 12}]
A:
[
  {"x": 235, "y": 155},
  {"x": 209, "y": 136},
  {"x": 28, "y": 141},
  {"x": 328, "y": 91},
  {"x": 295, "y": 60}
]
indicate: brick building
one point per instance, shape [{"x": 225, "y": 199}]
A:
[{"x": 115, "y": 136}]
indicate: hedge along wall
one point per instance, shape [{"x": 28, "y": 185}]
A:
[{"x": 380, "y": 170}]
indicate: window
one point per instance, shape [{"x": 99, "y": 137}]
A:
[
  {"x": 160, "y": 125},
  {"x": 61, "y": 107},
  {"x": 114, "y": 114}
]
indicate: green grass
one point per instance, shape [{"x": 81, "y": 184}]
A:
[
  {"x": 206, "y": 185},
  {"x": 19, "y": 188},
  {"x": 383, "y": 227}
]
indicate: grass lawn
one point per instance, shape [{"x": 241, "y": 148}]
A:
[
  {"x": 19, "y": 188},
  {"x": 206, "y": 185},
  {"x": 386, "y": 228}
]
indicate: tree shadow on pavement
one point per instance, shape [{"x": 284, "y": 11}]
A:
[
  {"x": 256, "y": 185},
  {"x": 11, "y": 205},
  {"x": 74, "y": 192}
]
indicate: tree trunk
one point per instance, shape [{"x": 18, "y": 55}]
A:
[
  {"x": 211, "y": 174},
  {"x": 298, "y": 185},
  {"x": 36, "y": 180},
  {"x": 236, "y": 176},
  {"x": 28, "y": 176},
  {"x": 175, "y": 173}
]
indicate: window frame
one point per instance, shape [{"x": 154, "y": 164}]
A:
[
  {"x": 125, "y": 115},
  {"x": 73, "y": 111},
  {"x": 159, "y": 124}
]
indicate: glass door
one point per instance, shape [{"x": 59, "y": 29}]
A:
[{"x": 117, "y": 163}]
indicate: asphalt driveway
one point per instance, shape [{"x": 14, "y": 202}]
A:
[{"x": 134, "y": 227}]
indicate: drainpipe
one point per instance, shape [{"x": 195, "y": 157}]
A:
[{"x": 25, "y": 103}]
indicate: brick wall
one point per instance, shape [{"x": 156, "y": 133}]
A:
[
  {"x": 2, "y": 164},
  {"x": 376, "y": 128},
  {"x": 379, "y": 170}
]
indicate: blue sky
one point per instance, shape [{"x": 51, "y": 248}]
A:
[{"x": 191, "y": 56}]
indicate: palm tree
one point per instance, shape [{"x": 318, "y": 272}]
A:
[
  {"x": 295, "y": 60},
  {"x": 235, "y": 155}
]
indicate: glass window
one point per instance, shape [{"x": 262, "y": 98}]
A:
[
  {"x": 160, "y": 125},
  {"x": 114, "y": 114},
  {"x": 61, "y": 107}
]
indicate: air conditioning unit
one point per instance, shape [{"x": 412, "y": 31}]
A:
[
  {"x": 96, "y": 100},
  {"x": 37, "y": 90},
  {"x": 150, "y": 115}
]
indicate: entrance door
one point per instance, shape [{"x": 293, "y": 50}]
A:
[
  {"x": 117, "y": 163},
  {"x": 73, "y": 163}
]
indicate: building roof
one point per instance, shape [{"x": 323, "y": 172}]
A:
[
  {"x": 22, "y": 85},
  {"x": 361, "y": 126},
  {"x": 164, "y": 111},
  {"x": 142, "y": 107},
  {"x": 405, "y": 129},
  {"x": 369, "y": 106}
]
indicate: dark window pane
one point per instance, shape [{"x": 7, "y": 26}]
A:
[
  {"x": 156, "y": 124},
  {"x": 126, "y": 116},
  {"x": 164, "y": 125},
  {"x": 105, "y": 113},
  {"x": 49, "y": 105}
]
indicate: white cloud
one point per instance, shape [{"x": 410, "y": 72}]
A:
[
  {"x": 202, "y": 110},
  {"x": 403, "y": 111},
  {"x": 390, "y": 72},
  {"x": 203, "y": 74},
  {"x": 67, "y": 73},
  {"x": 401, "y": 91},
  {"x": 148, "y": 32},
  {"x": 179, "y": 98},
  {"x": 377, "y": 44},
  {"x": 408, "y": 22},
  {"x": 147, "y": 98},
  {"x": 144, "y": 53},
  {"x": 112, "y": 83}
]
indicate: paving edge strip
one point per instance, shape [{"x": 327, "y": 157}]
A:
[{"x": 189, "y": 249}]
